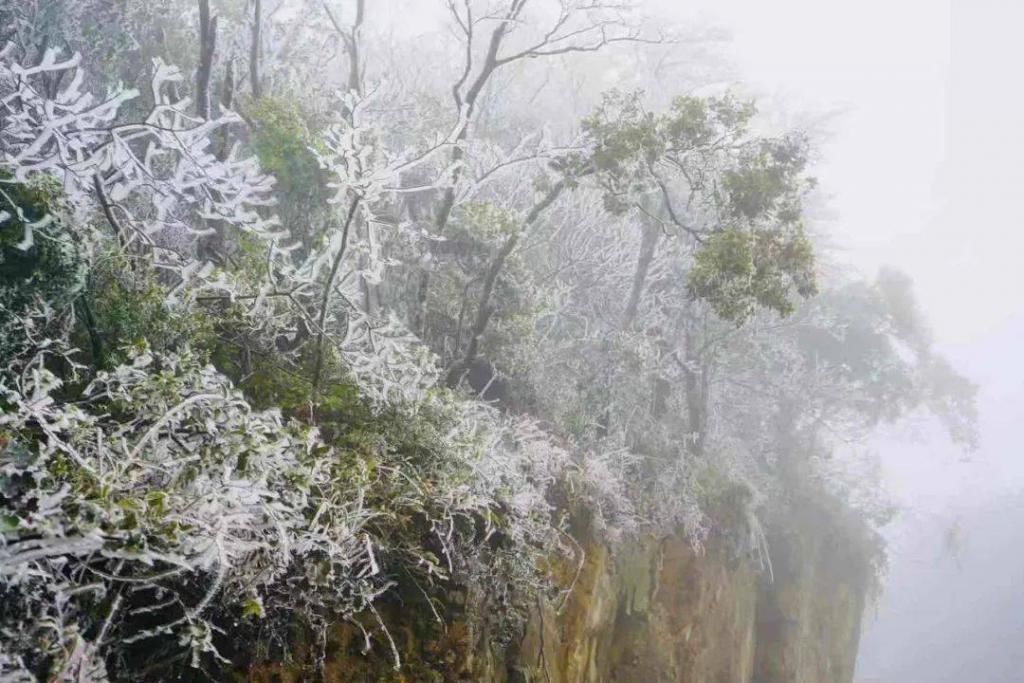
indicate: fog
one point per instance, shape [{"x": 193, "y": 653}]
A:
[
  {"x": 924, "y": 170},
  {"x": 338, "y": 330}
]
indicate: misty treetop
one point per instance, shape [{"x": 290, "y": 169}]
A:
[{"x": 298, "y": 315}]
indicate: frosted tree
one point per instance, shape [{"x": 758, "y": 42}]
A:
[{"x": 157, "y": 182}]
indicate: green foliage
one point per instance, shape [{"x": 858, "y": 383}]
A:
[
  {"x": 767, "y": 180},
  {"x": 282, "y": 142},
  {"x": 736, "y": 271},
  {"x": 751, "y": 247},
  {"x": 476, "y": 232},
  {"x": 626, "y": 139},
  {"x": 38, "y": 265},
  {"x": 136, "y": 478},
  {"x": 484, "y": 222},
  {"x": 628, "y": 142},
  {"x": 270, "y": 384},
  {"x": 129, "y": 308},
  {"x": 761, "y": 254}
]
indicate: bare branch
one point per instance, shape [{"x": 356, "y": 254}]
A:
[
  {"x": 485, "y": 310},
  {"x": 326, "y": 297},
  {"x": 254, "y": 50},
  {"x": 350, "y": 38}
]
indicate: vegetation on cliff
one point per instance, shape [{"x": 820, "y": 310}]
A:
[{"x": 323, "y": 327}]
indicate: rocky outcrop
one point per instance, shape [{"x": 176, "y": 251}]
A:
[
  {"x": 660, "y": 612},
  {"x": 652, "y": 611},
  {"x": 663, "y": 612}
]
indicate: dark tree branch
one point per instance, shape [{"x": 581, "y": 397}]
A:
[
  {"x": 648, "y": 245},
  {"x": 354, "y": 72},
  {"x": 467, "y": 105},
  {"x": 92, "y": 329},
  {"x": 207, "y": 46},
  {"x": 696, "y": 377},
  {"x": 227, "y": 93},
  {"x": 697, "y": 235},
  {"x": 108, "y": 212},
  {"x": 326, "y": 298},
  {"x": 350, "y": 37},
  {"x": 254, "y": 50},
  {"x": 551, "y": 44},
  {"x": 227, "y": 99},
  {"x": 485, "y": 309},
  {"x": 467, "y": 28}
]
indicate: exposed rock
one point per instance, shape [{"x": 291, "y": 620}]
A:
[{"x": 655, "y": 611}]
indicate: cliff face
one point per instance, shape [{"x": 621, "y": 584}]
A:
[
  {"x": 654, "y": 612},
  {"x": 664, "y": 614},
  {"x": 660, "y": 612}
]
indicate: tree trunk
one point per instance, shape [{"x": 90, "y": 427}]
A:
[
  {"x": 254, "y": 51},
  {"x": 696, "y": 378},
  {"x": 207, "y": 45},
  {"x": 648, "y": 245}
]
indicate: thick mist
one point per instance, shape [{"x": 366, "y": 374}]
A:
[
  {"x": 922, "y": 165},
  {"x": 510, "y": 341}
]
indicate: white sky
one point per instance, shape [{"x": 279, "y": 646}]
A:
[{"x": 922, "y": 167}]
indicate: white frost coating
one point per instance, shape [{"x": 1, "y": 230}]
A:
[
  {"x": 207, "y": 486},
  {"x": 160, "y": 179}
]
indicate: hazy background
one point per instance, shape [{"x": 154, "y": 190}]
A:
[{"x": 925, "y": 171}]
